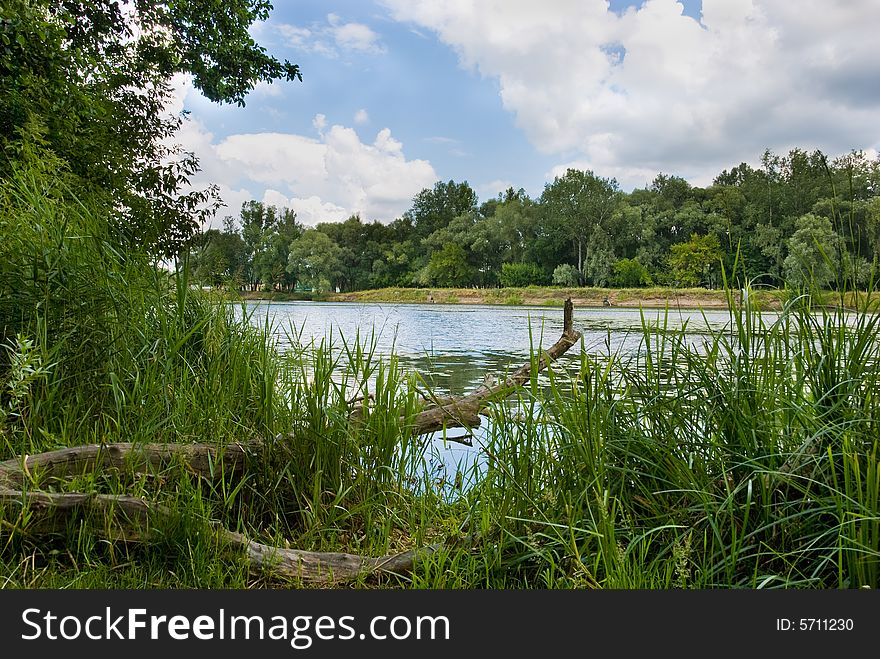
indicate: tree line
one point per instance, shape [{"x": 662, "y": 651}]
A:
[{"x": 796, "y": 219}]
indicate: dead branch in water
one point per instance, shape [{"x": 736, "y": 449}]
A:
[
  {"x": 464, "y": 411},
  {"x": 134, "y": 519}
]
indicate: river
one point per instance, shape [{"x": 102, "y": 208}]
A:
[{"x": 454, "y": 347}]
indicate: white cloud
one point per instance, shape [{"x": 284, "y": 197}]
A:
[
  {"x": 652, "y": 89},
  {"x": 310, "y": 211},
  {"x": 354, "y": 36},
  {"x": 361, "y": 116},
  {"x": 263, "y": 88},
  {"x": 297, "y": 37},
  {"x": 492, "y": 189},
  {"x": 332, "y": 38},
  {"x": 327, "y": 178}
]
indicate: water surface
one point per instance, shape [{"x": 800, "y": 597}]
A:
[{"x": 454, "y": 347}]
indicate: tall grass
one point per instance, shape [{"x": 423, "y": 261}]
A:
[
  {"x": 746, "y": 457},
  {"x": 105, "y": 346}
]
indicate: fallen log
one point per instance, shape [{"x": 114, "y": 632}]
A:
[
  {"x": 464, "y": 411},
  {"x": 134, "y": 519}
]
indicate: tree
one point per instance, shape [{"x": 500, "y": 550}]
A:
[
  {"x": 435, "y": 208},
  {"x": 449, "y": 267},
  {"x": 872, "y": 227},
  {"x": 257, "y": 223},
  {"x": 566, "y": 274},
  {"x": 272, "y": 254},
  {"x": 692, "y": 262},
  {"x": 600, "y": 259},
  {"x": 769, "y": 244},
  {"x": 673, "y": 192},
  {"x": 630, "y": 273},
  {"x": 518, "y": 275},
  {"x": 219, "y": 258},
  {"x": 813, "y": 258},
  {"x": 88, "y": 82},
  {"x": 578, "y": 202},
  {"x": 315, "y": 260}
]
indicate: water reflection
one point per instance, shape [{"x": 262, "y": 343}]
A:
[
  {"x": 452, "y": 348},
  {"x": 457, "y": 345}
]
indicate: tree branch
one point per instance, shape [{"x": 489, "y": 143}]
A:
[
  {"x": 464, "y": 411},
  {"x": 133, "y": 519}
]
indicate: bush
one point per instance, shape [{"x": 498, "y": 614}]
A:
[
  {"x": 518, "y": 275},
  {"x": 630, "y": 273},
  {"x": 566, "y": 275}
]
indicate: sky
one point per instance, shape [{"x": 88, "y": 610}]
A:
[{"x": 398, "y": 94}]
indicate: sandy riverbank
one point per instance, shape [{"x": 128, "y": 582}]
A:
[{"x": 691, "y": 298}]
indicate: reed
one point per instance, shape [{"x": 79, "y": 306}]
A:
[{"x": 745, "y": 457}]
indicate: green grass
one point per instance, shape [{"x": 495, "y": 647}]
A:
[{"x": 747, "y": 460}]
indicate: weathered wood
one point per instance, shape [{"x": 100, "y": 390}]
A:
[
  {"x": 464, "y": 411},
  {"x": 133, "y": 519},
  {"x": 204, "y": 460},
  {"x": 325, "y": 568},
  {"x": 111, "y": 516}
]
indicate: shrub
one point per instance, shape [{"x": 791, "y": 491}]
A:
[
  {"x": 518, "y": 275},
  {"x": 630, "y": 273},
  {"x": 566, "y": 274}
]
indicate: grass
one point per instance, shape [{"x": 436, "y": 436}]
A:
[{"x": 749, "y": 459}]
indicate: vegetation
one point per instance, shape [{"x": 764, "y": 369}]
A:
[
  {"x": 746, "y": 459},
  {"x": 794, "y": 214}
]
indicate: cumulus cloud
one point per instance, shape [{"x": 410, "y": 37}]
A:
[
  {"x": 324, "y": 179},
  {"x": 354, "y": 36},
  {"x": 494, "y": 188},
  {"x": 629, "y": 94},
  {"x": 332, "y": 38},
  {"x": 361, "y": 116}
]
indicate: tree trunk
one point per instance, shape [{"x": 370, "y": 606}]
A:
[{"x": 133, "y": 519}]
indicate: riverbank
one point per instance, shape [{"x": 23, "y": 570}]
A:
[{"x": 656, "y": 297}]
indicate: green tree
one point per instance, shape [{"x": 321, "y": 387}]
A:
[
  {"x": 630, "y": 273},
  {"x": 872, "y": 227},
  {"x": 257, "y": 223},
  {"x": 435, "y": 208},
  {"x": 315, "y": 260},
  {"x": 770, "y": 245},
  {"x": 566, "y": 274},
  {"x": 692, "y": 263},
  {"x": 813, "y": 258},
  {"x": 449, "y": 267},
  {"x": 273, "y": 253},
  {"x": 523, "y": 274},
  {"x": 89, "y": 80},
  {"x": 599, "y": 262},
  {"x": 219, "y": 258},
  {"x": 394, "y": 266},
  {"x": 577, "y": 203}
]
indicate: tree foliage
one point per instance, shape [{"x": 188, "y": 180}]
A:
[
  {"x": 692, "y": 263},
  {"x": 668, "y": 232},
  {"x": 578, "y": 203},
  {"x": 813, "y": 252},
  {"x": 88, "y": 81},
  {"x": 315, "y": 260},
  {"x": 523, "y": 274},
  {"x": 630, "y": 273}
]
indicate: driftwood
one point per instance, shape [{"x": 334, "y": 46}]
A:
[
  {"x": 134, "y": 519},
  {"x": 464, "y": 411}
]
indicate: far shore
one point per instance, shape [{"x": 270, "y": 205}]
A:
[{"x": 656, "y": 297}]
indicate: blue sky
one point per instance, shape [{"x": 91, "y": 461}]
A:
[{"x": 397, "y": 94}]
